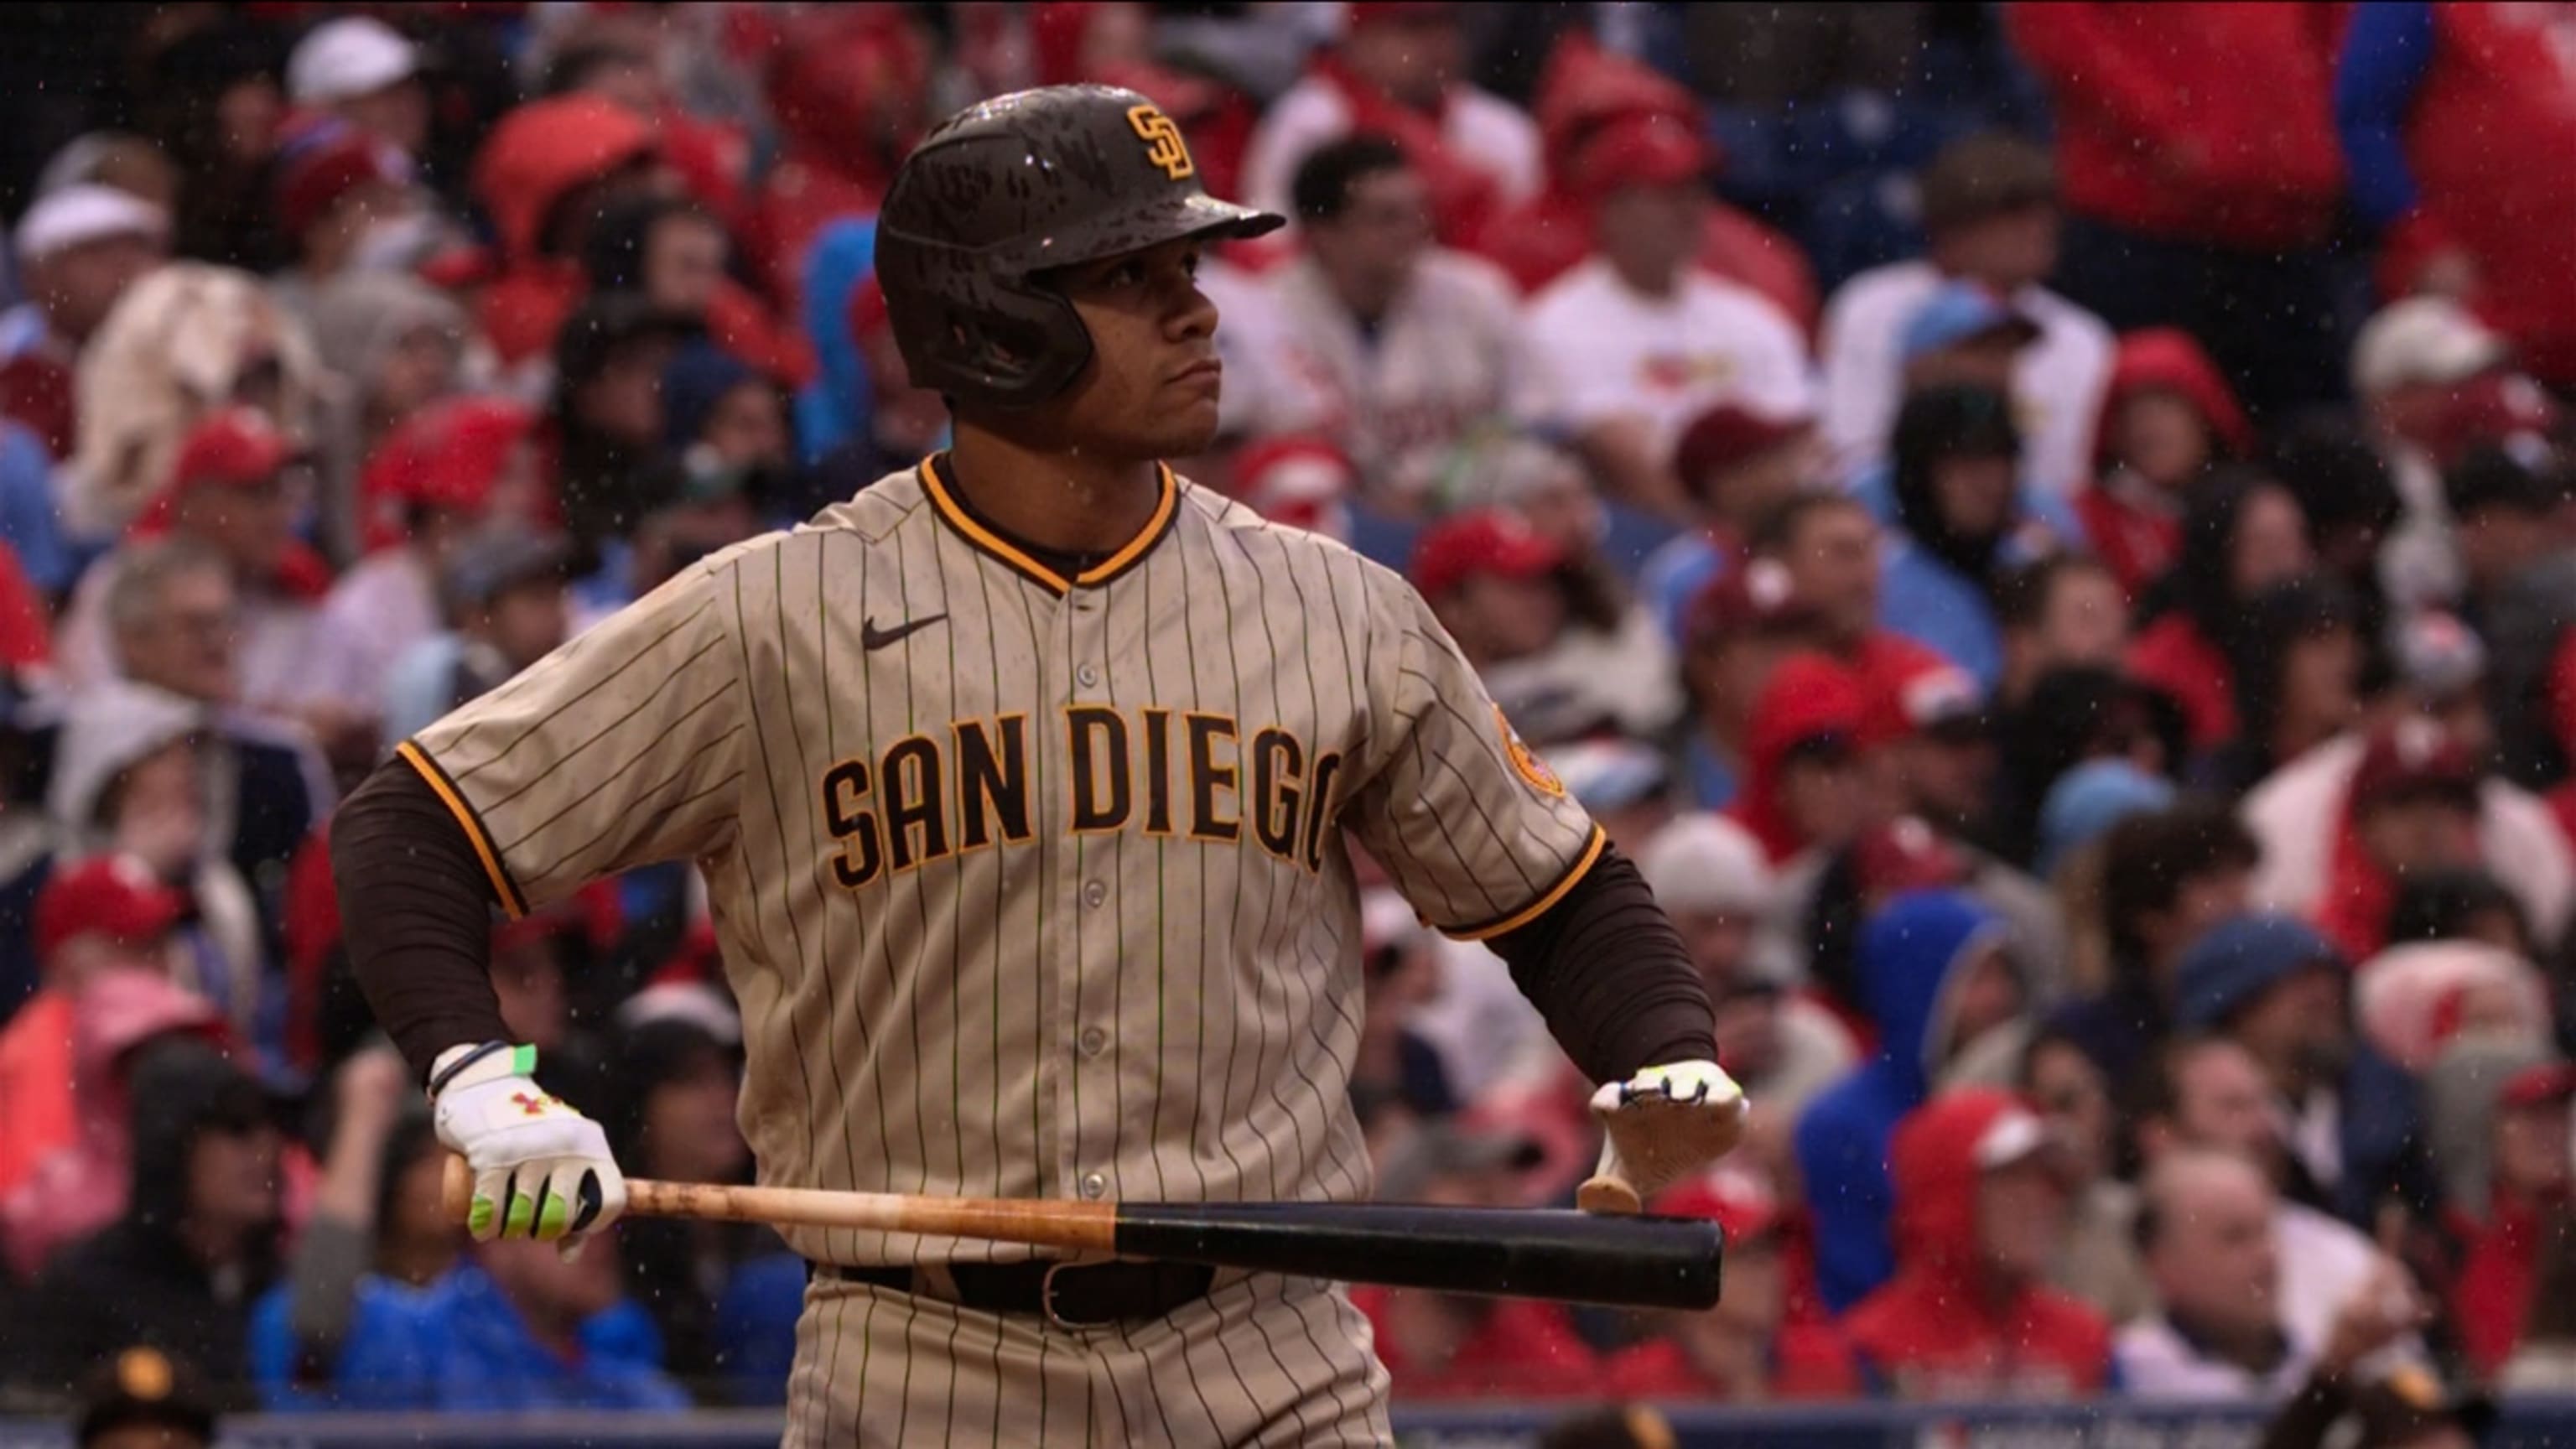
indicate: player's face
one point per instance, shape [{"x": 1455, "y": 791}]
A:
[{"x": 1152, "y": 387}]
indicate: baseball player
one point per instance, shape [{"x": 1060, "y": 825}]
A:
[{"x": 1020, "y": 784}]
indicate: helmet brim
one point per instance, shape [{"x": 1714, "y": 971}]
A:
[{"x": 1164, "y": 219}]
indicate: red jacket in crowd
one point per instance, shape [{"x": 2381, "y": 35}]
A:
[
  {"x": 1941, "y": 1329},
  {"x": 1583, "y": 92},
  {"x": 534, "y": 160},
  {"x": 2136, "y": 527},
  {"x": 2200, "y": 120},
  {"x": 1522, "y": 1350},
  {"x": 849, "y": 89}
]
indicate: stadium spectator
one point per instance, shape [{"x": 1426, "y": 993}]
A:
[
  {"x": 432, "y": 484},
  {"x": 2179, "y": 215},
  {"x": 347, "y": 206},
  {"x": 1396, "y": 1078},
  {"x": 1933, "y": 976},
  {"x": 1734, "y": 634},
  {"x": 1588, "y": 102},
  {"x": 1407, "y": 344},
  {"x": 2412, "y": 366},
  {"x": 1623, "y": 351},
  {"x": 2519, "y": 564},
  {"x": 2072, "y": 1096},
  {"x": 1398, "y": 71},
  {"x": 2344, "y": 491},
  {"x": 2421, "y": 94},
  {"x": 93, "y": 918},
  {"x": 1453, "y": 1345},
  {"x": 2241, "y": 534},
  {"x": 675, "y": 254},
  {"x": 1803, "y": 793},
  {"x": 2166, "y": 419},
  {"x": 1991, "y": 220},
  {"x": 77, "y": 249},
  {"x": 609, "y": 421},
  {"x": 1736, "y": 467},
  {"x": 1503, "y": 592},
  {"x": 183, "y": 342},
  {"x": 1959, "y": 520},
  {"x": 362, "y": 72},
  {"x": 2205, "y": 1227},
  {"x": 851, "y": 92},
  {"x": 2059, "y": 612},
  {"x": 1744, "y": 1350},
  {"x": 1980, "y": 1216},
  {"x": 547, "y": 173},
  {"x": 198, "y": 1237},
  {"x": 377, "y": 1229},
  {"x": 2295, "y": 659},
  {"x": 2353, "y": 1141},
  {"x": 2498, "y": 1111},
  {"x": 395, "y": 347},
  {"x": 2205, "y": 1093},
  {"x": 1709, "y": 874},
  {"x": 2167, "y": 878}
]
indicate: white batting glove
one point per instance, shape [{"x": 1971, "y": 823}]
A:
[
  {"x": 1659, "y": 1127},
  {"x": 541, "y": 1169}
]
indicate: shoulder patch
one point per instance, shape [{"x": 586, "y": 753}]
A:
[{"x": 1530, "y": 767}]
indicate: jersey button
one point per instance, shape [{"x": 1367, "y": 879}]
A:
[
  {"x": 1094, "y": 1185},
  {"x": 1088, "y": 676},
  {"x": 1094, "y": 1041},
  {"x": 1095, "y": 895}
]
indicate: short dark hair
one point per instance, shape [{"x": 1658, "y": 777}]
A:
[
  {"x": 1780, "y": 526},
  {"x": 1987, "y": 174},
  {"x": 2022, "y": 595},
  {"x": 2146, "y": 859},
  {"x": 2493, "y": 478},
  {"x": 1322, "y": 188},
  {"x": 2439, "y": 905},
  {"x": 2339, "y": 479}
]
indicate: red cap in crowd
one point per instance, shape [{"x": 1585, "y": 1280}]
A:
[
  {"x": 1905, "y": 854},
  {"x": 1482, "y": 541},
  {"x": 1757, "y": 598},
  {"x": 1931, "y": 697},
  {"x": 1359, "y": 16},
  {"x": 2414, "y": 757},
  {"x": 111, "y": 895},
  {"x": 1741, "y": 1206},
  {"x": 236, "y": 448},
  {"x": 316, "y": 179},
  {"x": 1642, "y": 150},
  {"x": 2538, "y": 1085},
  {"x": 1731, "y": 434},
  {"x": 1298, "y": 481},
  {"x": 447, "y": 455}
]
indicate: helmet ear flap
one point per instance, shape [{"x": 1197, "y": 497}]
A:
[{"x": 1022, "y": 346}]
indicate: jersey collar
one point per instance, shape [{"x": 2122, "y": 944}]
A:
[{"x": 935, "y": 483}]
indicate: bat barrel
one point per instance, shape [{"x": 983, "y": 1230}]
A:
[{"x": 1635, "y": 1262}]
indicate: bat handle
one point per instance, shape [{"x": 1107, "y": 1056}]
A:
[{"x": 456, "y": 1190}]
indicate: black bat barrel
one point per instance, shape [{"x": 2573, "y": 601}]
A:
[{"x": 1572, "y": 1257}]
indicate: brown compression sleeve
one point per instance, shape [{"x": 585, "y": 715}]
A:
[
  {"x": 1608, "y": 971},
  {"x": 417, "y": 910}
]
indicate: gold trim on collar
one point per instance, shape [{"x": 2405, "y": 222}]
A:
[{"x": 1001, "y": 548}]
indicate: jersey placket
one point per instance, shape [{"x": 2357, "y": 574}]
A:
[{"x": 1083, "y": 1028}]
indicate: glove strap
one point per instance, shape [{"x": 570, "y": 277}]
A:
[{"x": 522, "y": 1063}]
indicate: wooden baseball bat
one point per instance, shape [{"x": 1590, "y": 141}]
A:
[{"x": 1572, "y": 1257}]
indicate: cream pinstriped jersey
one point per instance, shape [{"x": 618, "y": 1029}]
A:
[{"x": 1043, "y": 894}]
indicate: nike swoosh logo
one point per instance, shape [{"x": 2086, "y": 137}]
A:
[{"x": 872, "y": 638}]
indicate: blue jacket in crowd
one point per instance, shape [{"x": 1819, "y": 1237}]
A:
[
  {"x": 1908, "y": 953},
  {"x": 459, "y": 1346}
]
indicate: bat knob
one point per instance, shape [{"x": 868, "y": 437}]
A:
[{"x": 1608, "y": 1195}]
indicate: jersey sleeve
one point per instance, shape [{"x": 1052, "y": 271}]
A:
[
  {"x": 617, "y": 750},
  {"x": 1476, "y": 831}
]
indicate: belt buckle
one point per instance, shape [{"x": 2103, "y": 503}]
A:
[{"x": 1046, "y": 1298}]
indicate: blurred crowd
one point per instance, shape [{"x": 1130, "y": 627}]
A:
[{"x": 2048, "y": 531}]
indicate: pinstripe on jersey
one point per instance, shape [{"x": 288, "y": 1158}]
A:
[{"x": 1045, "y": 894}]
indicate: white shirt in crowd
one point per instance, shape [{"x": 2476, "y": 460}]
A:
[
  {"x": 2057, "y": 383},
  {"x": 1593, "y": 349},
  {"x": 1263, "y": 396},
  {"x": 2156, "y": 1362},
  {"x": 1482, "y": 129},
  {"x": 2293, "y": 813},
  {"x": 377, "y": 611},
  {"x": 1436, "y": 363}
]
